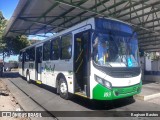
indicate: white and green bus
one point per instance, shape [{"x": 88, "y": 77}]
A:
[{"x": 97, "y": 59}]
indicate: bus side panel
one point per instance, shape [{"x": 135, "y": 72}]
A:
[
  {"x": 26, "y": 67},
  {"x": 47, "y": 71},
  {"x": 54, "y": 71},
  {"x": 51, "y": 69},
  {"x": 66, "y": 68},
  {"x": 32, "y": 70},
  {"x": 20, "y": 68}
]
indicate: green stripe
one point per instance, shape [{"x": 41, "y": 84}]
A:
[{"x": 102, "y": 93}]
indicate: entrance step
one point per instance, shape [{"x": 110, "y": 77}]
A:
[{"x": 81, "y": 94}]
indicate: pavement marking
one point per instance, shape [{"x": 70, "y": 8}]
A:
[{"x": 50, "y": 114}]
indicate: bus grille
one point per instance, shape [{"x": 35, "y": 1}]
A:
[
  {"x": 127, "y": 90},
  {"x": 123, "y": 74}
]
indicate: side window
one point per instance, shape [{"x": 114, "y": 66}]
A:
[
  {"x": 46, "y": 51},
  {"x": 27, "y": 55},
  {"x": 32, "y": 54},
  {"x": 55, "y": 49},
  {"x": 24, "y": 56},
  {"x": 20, "y": 56},
  {"x": 66, "y": 46},
  {"x": 39, "y": 54}
]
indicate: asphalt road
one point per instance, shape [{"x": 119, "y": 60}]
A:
[{"x": 46, "y": 98}]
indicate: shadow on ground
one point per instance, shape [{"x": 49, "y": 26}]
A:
[
  {"x": 90, "y": 104},
  {"x": 10, "y": 75}
]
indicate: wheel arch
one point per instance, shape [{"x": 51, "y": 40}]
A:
[
  {"x": 58, "y": 78},
  {"x": 68, "y": 94}
]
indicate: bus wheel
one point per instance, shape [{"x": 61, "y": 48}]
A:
[
  {"x": 28, "y": 77},
  {"x": 63, "y": 88}
]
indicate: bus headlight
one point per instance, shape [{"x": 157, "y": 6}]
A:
[{"x": 103, "y": 82}]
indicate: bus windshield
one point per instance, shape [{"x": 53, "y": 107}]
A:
[{"x": 112, "y": 50}]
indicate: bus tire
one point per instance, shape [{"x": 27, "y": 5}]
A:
[
  {"x": 63, "y": 88},
  {"x": 28, "y": 77}
]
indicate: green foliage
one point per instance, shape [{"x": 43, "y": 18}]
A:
[
  {"x": 1, "y": 15},
  {"x": 10, "y": 45},
  {"x": 14, "y": 45},
  {"x": 154, "y": 56},
  {"x": 3, "y": 23}
]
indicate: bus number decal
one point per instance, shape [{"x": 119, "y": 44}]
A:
[{"x": 107, "y": 94}]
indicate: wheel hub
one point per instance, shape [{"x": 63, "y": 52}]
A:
[{"x": 63, "y": 88}]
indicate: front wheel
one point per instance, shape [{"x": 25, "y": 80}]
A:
[{"x": 63, "y": 89}]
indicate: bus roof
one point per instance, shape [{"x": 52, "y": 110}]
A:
[
  {"x": 91, "y": 20},
  {"x": 62, "y": 32}
]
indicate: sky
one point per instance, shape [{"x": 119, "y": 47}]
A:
[{"x": 7, "y": 7}]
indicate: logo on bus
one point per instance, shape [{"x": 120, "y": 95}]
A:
[
  {"x": 129, "y": 82},
  {"x": 49, "y": 68}
]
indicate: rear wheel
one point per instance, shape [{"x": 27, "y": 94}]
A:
[{"x": 63, "y": 89}]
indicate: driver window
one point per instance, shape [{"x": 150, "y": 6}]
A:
[{"x": 100, "y": 48}]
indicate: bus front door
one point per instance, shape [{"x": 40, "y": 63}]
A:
[
  {"x": 38, "y": 64},
  {"x": 82, "y": 63}
]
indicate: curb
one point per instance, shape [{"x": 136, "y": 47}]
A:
[{"x": 146, "y": 97}]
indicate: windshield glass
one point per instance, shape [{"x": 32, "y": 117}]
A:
[{"x": 115, "y": 50}]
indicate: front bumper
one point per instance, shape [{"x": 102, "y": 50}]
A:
[{"x": 102, "y": 93}]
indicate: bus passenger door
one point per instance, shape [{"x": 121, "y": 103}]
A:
[
  {"x": 82, "y": 62},
  {"x": 38, "y": 63}
]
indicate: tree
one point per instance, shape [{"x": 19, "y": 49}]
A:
[
  {"x": 3, "y": 23},
  {"x": 1, "y": 15},
  {"x": 10, "y": 45},
  {"x": 14, "y": 45}
]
